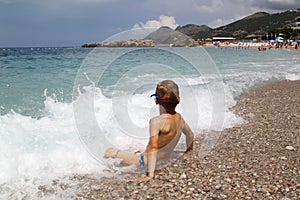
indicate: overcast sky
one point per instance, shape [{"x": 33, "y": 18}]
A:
[{"x": 74, "y": 22}]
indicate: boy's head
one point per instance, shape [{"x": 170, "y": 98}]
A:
[{"x": 168, "y": 92}]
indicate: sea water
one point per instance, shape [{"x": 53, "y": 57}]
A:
[{"x": 61, "y": 107}]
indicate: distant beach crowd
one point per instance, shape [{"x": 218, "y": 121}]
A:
[{"x": 261, "y": 46}]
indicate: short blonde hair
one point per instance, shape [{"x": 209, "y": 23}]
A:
[{"x": 168, "y": 90}]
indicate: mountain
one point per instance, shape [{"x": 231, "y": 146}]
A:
[
  {"x": 195, "y": 31},
  {"x": 258, "y": 23},
  {"x": 167, "y": 36}
]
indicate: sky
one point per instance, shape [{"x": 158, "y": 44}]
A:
[{"x": 32, "y": 23}]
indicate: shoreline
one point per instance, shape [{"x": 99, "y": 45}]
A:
[
  {"x": 261, "y": 46},
  {"x": 257, "y": 160}
]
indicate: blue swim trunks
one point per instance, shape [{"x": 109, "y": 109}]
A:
[{"x": 142, "y": 163}]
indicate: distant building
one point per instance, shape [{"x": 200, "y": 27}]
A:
[
  {"x": 224, "y": 39},
  {"x": 253, "y": 37},
  {"x": 297, "y": 23}
]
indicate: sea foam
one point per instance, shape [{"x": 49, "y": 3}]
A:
[{"x": 37, "y": 150}]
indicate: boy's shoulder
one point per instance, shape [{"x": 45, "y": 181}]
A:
[
  {"x": 156, "y": 118},
  {"x": 163, "y": 116}
]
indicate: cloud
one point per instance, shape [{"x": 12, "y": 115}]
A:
[
  {"x": 214, "y": 6},
  {"x": 219, "y": 22},
  {"x": 141, "y": 30},
  {"x": 9, "y": 1},
  {"x": 277, "y": 4},
  {"x": 283, "y": 2},
  {"x": 58, "y": 2},
  {"x": 82, "y": 2},
  {"x": 162, "y": 21}
]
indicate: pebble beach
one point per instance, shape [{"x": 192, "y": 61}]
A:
[{"x": 257, "y": 160}]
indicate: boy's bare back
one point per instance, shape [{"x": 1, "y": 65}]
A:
[{"x": 167, "y": 128}]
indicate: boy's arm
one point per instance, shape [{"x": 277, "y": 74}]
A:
[
  {"x": 189, "y": 136},
  {"x": 152, "y": 155},
  {"x": 152, "y": 147},
  {"x": 151, "y": 150}
]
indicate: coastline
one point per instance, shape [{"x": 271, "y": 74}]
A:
[
  {"x": 261, "y": 46},
  {"x": 258, "y": 160}
]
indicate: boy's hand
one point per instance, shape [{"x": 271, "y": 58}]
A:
[
  {"x": 188, "y": 151},
  {"x": 190, "y": 148}
]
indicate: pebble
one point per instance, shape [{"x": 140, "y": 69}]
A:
[
  {"x": 283, "y": 158},
  {"x": 222, "y": 196},
  {"x": 183, "y": 176},
  {"x": 290, "y": 148},
  {"x": 218, "y": 187}
]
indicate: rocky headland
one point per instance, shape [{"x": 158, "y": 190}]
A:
[
  {"x": 126, "y": 43},
  {"x": 164, "y": 36}
]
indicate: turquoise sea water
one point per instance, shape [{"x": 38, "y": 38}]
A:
[
  {"x": 27, "y": 72},
  {"x": 49, "y": 95}
]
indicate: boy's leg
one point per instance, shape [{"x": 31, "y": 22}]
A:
[
  {"x": 127, "y": 157},
  {"x": 111, "y": 153}
]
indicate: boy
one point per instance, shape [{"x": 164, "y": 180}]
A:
[{"x": 165, "y": 132}]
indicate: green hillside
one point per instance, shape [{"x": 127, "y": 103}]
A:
[
  {"x": 196, "y": 31},
  {"x": 258, "y": 23}
]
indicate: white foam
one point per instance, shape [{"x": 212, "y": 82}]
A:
[
  {"x": 33, "y": 150},
  {"x": 293, "y": 77}
]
